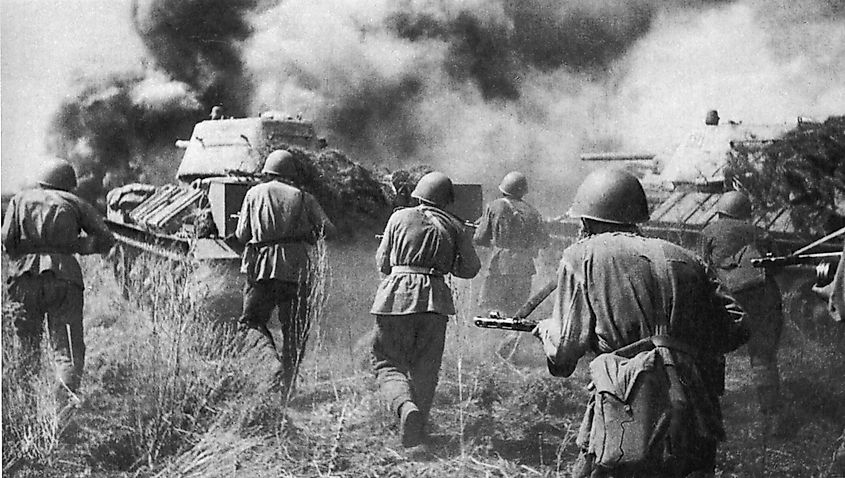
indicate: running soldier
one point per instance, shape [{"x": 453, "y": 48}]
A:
[
  {"x": 278, "y": 222},
  {"x": 41, "y": 234},
  {"x": 420, "y": 246},
  {"x": 514, "y": 230},
  {"x": 727, "y": 245},
  {"x": 617, "y": 289}
]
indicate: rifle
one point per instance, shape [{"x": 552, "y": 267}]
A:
[
  {"x": 825, "y": 264},
  {"x": 796, "y": 259},
  {"x": 496, "y": 321},
  {"x": 518, "y": 322}
]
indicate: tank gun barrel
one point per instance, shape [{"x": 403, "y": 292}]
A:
[{"x": 617, "y": 156}]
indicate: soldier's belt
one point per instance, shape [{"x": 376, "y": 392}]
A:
[
  {"x": 416, "y": 270},
  {"x": 649, "y": 343}
]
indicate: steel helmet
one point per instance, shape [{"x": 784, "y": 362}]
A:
[
  {"x": 280, "y": 163},
  {"x": 435, "y": 188},
  {"x": 610, "y": 195},
  {"x": 58, "y": 174},
  {"x": 514, "y": 184},
  {"x": 734, "y": 204}
]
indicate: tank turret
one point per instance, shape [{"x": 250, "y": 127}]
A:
[{"x": 684, "y": 186}]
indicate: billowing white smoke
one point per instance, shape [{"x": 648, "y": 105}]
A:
[
  {"x": 392, "y": 97},
  {"x": 755, "y": 62},
  {"x": 393, "y": 101}
]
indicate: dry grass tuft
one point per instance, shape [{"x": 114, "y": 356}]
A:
[{"x": 32, "y": 418}]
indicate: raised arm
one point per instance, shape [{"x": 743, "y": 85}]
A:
[
  {"x": 467, "y": 264},
  {"x": 99, "y": 238},
  {"x": 566, "y": 335}
]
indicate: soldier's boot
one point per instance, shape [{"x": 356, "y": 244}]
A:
[{"x": 410, "y": 424}]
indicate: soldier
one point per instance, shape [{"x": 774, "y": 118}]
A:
[
  {"x": 727, "y": 245},
  {"x": 616, "y": 288},
  {"x": 515, "y": 232},
  {"x": 41, "y": 233},
  {"x": 420, "y": 246},
  {"x": 277, "y": 224}
]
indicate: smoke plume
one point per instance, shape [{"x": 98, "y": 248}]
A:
[
  {"x": 474, "y": 88},
  {"x": 120, "y": 128},
  {"x": 479, "y": 88},
  {"x": 197, "y": 42}
]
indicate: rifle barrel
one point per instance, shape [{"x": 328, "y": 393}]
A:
[
  {"x": 794, "y": 259},
  {"x": 826, "y": 238},
  {"x": 504, "y": 324}
]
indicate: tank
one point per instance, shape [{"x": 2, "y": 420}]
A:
[
  {"x": 683, "y": 187},
  {"x": 193, "y": 221}
]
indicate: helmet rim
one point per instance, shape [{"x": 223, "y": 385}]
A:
[{"x": 612, "y": 196}]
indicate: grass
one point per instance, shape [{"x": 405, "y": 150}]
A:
[
  {"x": 170, "y": 391},
  {"x": 31, "y": 421}
]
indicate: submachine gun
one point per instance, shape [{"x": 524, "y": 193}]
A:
[
  {"x": 825, "y": 262},
  {"x": 519, "y": 321}
]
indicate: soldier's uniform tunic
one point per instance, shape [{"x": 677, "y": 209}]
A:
[
  {"x": 720, "y": 241},
  {"x": 608, "y": 296},
  {"x": 412, "y": 304},
  {"x": 514, "y": 230},
  {"x": 41, "y": 233},
  {"x": 277, "y": 222}
]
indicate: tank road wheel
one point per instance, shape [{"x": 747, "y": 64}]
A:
[{"x": 122, "y": 258}]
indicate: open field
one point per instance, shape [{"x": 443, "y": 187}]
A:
[{"x": 168, "y": 392}]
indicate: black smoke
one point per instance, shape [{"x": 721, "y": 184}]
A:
[
  {"x": 198, "y": 42},
  {"x": 580, "y": 35},
  {"x": 121, "y": 128}
]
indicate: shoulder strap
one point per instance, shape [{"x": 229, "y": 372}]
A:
[
  {"x": 435, "y": 221},
  {"x": 663, "y": 281}
]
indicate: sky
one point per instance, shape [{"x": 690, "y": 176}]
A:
[
  {"x": 414, "y": 95},
  {"x": 42, "y": 44}
]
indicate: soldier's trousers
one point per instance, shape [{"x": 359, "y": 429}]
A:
[
  {"x": 764, "y": 317},
  {"x": 505, "y": 292},
  {"x": 407, "y": 351},
  {"x": 291, "y": 298},
  {"x": 60, "y": 302}
]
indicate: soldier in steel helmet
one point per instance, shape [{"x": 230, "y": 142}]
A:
[
  {"x": 420, "y": 246},
  {"x": 615, "y": 289},
  {"x": 727, "y": 245},
  {"x": 515, "y": 232},
  {"x": 278, "y": 222},
  {"x": 42, "y": 231}
]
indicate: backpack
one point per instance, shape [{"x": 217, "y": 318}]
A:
[{"x": 639, "y": 415}]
